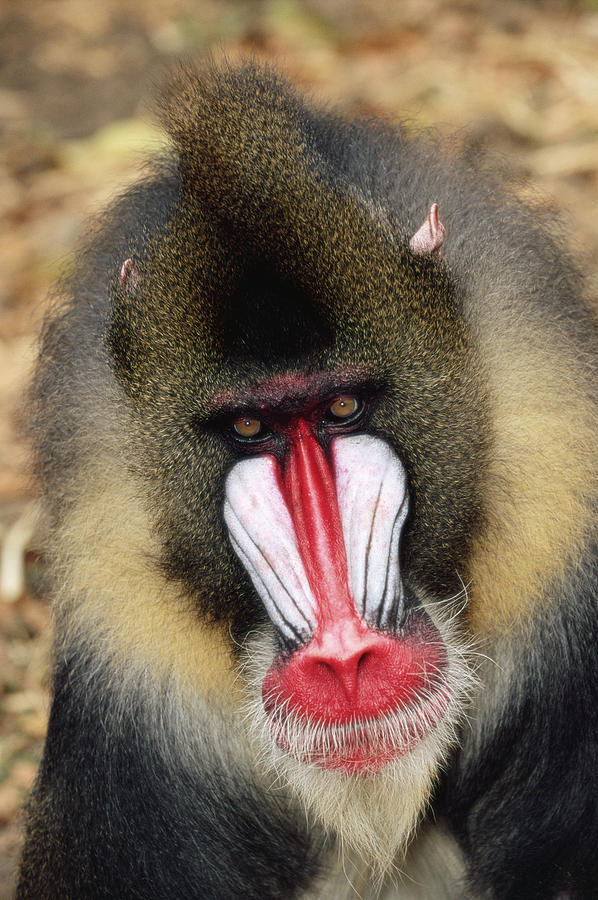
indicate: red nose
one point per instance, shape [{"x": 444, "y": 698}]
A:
[{"x": 350, "y": 672}]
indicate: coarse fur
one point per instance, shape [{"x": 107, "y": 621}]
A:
[{"x": 274, "y": 241}]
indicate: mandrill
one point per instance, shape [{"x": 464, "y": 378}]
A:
[{"x": 316, "y": 426}]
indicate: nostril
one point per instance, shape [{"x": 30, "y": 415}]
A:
[
  {"x": 322, "y": 670},
  {"x": 361, "y": 662}
]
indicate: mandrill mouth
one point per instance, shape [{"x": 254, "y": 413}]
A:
[{"x": 360, "y": 746}]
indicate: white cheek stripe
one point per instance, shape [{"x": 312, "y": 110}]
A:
[
  {"x": 371, "y": 486},
  {"x": 263, "y": 537}
]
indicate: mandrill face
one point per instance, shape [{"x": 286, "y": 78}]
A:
[
  {"x": 360, "y": 673},
  {"x": 358, "y": 686}
]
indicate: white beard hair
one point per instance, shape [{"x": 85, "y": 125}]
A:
[{"x": 373, "y": 815}]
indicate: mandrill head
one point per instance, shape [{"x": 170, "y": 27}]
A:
[{"x": 317, "y": 355}]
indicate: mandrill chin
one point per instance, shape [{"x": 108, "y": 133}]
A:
[{"x": 316, "y": 428}]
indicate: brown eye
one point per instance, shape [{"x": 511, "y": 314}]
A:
[
  {"x": 344, "y": 407},
  {"x": 247, "y": 427}
]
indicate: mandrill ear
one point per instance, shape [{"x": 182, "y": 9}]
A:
[
  {"x": 429, "y": 238},
  {"x": 129, "y": 276}
]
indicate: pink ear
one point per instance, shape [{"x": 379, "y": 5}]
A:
[
  {"x": 129, "y": 275},
  {"x": 429, "y": 238}
]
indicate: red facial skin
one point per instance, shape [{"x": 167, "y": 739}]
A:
[{"x": 348, "y": 673}]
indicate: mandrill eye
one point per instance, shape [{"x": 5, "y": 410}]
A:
[
  {"x": 345, "y": 409},
  {"x": 247, "y": 428}
]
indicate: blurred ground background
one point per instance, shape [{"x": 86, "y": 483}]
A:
[{"x": 520, "y": 78}]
